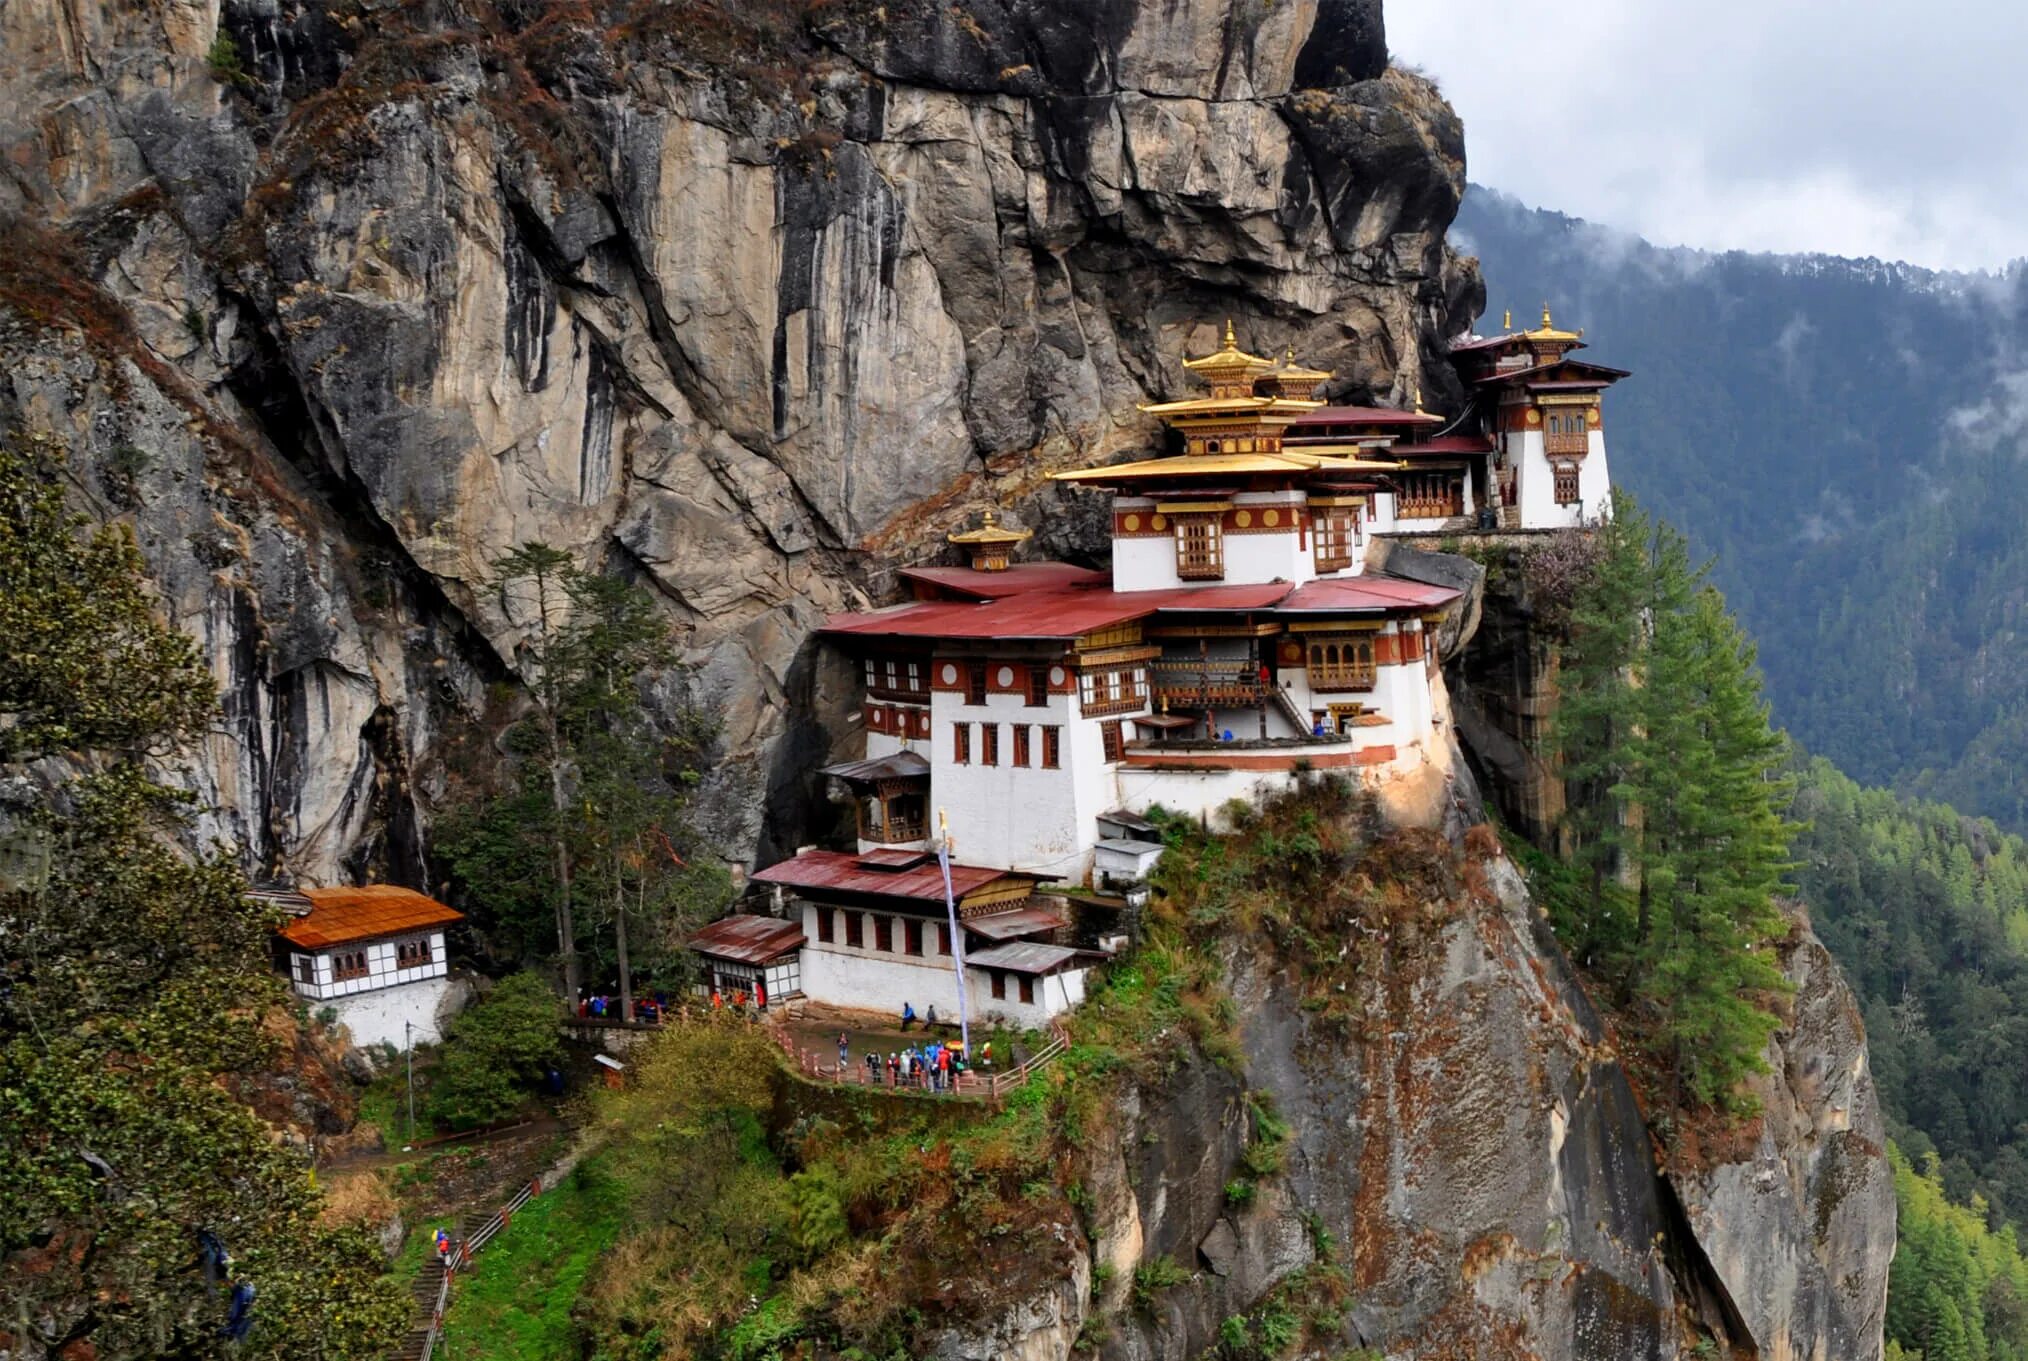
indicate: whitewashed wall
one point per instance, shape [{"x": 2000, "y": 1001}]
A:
[{"x": 376, "y": 1017}]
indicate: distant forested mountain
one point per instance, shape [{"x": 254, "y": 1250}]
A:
[{"x": 1846, "y": 438}]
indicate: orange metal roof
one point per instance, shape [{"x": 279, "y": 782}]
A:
[{"x": 340, "y": 916}]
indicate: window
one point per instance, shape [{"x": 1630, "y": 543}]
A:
[
  {"x": 999, "y": 985},
  {"x": 975, "y": 684},
  {"x": 911, "y": 937},
  {"x": 1112, "y": 691},
  {"x": 1115, "y": 742},
  {"x": 1028, "y": 989},
  {"x": 1021, "y": 744},
  {"x": 1038, "y": 687},
  {"x": 412, "y": 954},
  {"x": 1332, "y": 533},
  {"x": 350, "y": 964},
  {"x": 989, "y": 744},
  {"x": 883, "y": 934},
  {"x": 961, "y": 743},
  {"x": 855, "y": 930},
  {"x": 826, "y": 928},
  {"x": 306, "y": 969},
  {"x": 1565, "y": 432},
  {"x": 1052, "y": 747},
  {"x": 1200, "y": 548},
  {"x": 943, "y": 938},
  {"x": 1566, "y": 485},
  {"x": 1341, "y": 663}
]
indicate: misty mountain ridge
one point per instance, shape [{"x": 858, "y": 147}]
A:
[{"x": 1843, "y": 438}]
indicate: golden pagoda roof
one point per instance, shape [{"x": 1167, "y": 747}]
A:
[
  {"x": 1548, "y": 331},
  {"x": 1229, "y": 359},
  {"x": 1291, "y": 371},
  {"x": 990, "y": 531}
]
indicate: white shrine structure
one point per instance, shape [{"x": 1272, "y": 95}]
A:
[{"x": 374, "y": 955}]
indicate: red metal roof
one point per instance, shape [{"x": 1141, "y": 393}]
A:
[
  {"x": 1059, "y": 613},
  {"x": 817, "y": 871},
  {"x": 1364, "y": 415},
  {"x": 745, "y": 938},
  {"x": 1016, "y": 580},
  {"x": 1369, "y": 592},
  {"x": 1447, "y": 444},
  {"x": 342, "y": 916}
]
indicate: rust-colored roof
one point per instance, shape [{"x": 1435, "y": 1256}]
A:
[
  {"x": 817, "y": 871},
  {"x": 341, "y": 916},
  {"x": 745, "y": 938}
]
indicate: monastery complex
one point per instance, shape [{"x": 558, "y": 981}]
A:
[{"x": 1045, "y": 708}]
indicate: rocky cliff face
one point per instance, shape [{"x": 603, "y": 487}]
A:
[
  {"x": 335, "y": 300},
  {"x": 1466, "y": 1145}
]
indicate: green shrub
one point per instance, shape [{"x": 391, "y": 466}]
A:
[
  {"x": 1154, "y": 1276},
  {"x": 224, "y": 60},
  {"x": 1239, "y": 1192},
  {"x": 495, "y": 1051}
]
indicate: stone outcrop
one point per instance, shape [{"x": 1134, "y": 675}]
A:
[
  {"x": 337, "y": 300},
  {"x": 1465, "y": 1143},
  {"x": 1801, "y": 1223}
]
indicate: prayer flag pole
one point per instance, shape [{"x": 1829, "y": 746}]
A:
[{"x": 957, "y": 936}]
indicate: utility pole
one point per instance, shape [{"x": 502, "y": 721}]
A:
[
  {"x": 957, "y": 935},
  {"x": 408, "y": 1036}
]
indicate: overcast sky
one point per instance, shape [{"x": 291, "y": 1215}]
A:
[{"x": 1859, "y": 127}]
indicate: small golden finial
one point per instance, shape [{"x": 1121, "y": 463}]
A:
[
  {"x": 1418, "y": 399},
  {"x": 1231, "y": 340},
  {"x": 991, "y": 517},
  {"x": 1507, "y": 320},
  {"x": 1289, "y": 359},
  {"x": 1545, "y": 318}
]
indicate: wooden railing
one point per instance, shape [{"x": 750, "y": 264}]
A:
[
  {"x": 1565, "y": 442},
  {"x": 1195, "y": 683},
  {"x": 990, "y": 1086}
]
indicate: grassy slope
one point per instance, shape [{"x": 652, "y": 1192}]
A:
[{"x": 516, "y": 1300}]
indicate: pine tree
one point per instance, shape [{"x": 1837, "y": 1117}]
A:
[
  {"x": 1595, "y": 725},
  {"x": 601, "y": 782},
  {"x": 1672, "y": 771}
]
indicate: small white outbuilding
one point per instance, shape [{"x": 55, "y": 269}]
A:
[{"x": 375, "y": 955}]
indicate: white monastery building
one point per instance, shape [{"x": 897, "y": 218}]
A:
[
  {"x": 375, "y": 955},
  {"x": 1237, "y": 639}
]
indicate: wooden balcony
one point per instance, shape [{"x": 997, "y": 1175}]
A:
[
  {"x": 1566, "y": 443},
  {"x": 1196, "y": 684}
]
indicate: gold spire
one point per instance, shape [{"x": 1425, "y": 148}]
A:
[
  {"x": 1231, "y": 339},
  {"x": 990, "y": 544},
  {"x": 1418, "y": 399},
  {"x": 1507, "y": 321},
  {"x": 1547, "y": 325}
]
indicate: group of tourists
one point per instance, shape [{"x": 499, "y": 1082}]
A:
[
  {"x": 741, "y": 999},
  {"x": 934, "y": 1066},
  {"x": 605, "y": 1007}
]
